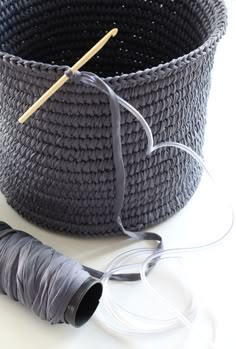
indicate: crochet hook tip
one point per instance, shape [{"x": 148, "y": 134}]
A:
[
  {"x": 114, "y": 32},
  {"x": 57, "y": 85}
]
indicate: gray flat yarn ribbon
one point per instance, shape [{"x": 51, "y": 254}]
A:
[
  {"x": 36, "y": 275},
  {"x": 92, "y": 79},
  {"x": 39, "y": 277}
]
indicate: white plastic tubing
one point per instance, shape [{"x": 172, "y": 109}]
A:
[{"x": 130, "y": 323}]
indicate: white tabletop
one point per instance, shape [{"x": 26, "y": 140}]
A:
[{"x": 204, "y": 219}]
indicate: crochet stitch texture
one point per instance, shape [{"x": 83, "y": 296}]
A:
[{"x": 57, "y": 170}]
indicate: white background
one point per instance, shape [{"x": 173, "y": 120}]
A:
[{"x": 213, "y": 272}]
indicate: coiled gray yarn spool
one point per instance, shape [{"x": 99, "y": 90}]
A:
[
  {"x": 54, "y": 287},
  {"x": 58, "y": 169}
]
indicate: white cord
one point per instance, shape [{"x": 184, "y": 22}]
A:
[{"x": 126, "y": 318}]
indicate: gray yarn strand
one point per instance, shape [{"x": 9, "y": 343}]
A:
[
  {"x": 37, "y": 276},
  {"x": 94, "y": 80}
]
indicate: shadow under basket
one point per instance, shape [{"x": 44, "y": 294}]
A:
[{"x": 57, "y": 169}]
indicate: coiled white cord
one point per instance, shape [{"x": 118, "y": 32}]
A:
[{"x": 128, "y": 321}]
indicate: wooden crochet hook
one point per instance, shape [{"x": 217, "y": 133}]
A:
[{"x": 58, "y": 84}]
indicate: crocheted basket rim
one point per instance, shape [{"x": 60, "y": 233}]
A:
[
  {"x": 59, "y": 170},
  {"x": 163, "y": 68}
]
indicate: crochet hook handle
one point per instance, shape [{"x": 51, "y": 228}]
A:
[{"x": 58, "y": 84}]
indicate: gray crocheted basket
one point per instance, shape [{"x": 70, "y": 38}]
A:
[{"x": 57, "y": 169}]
